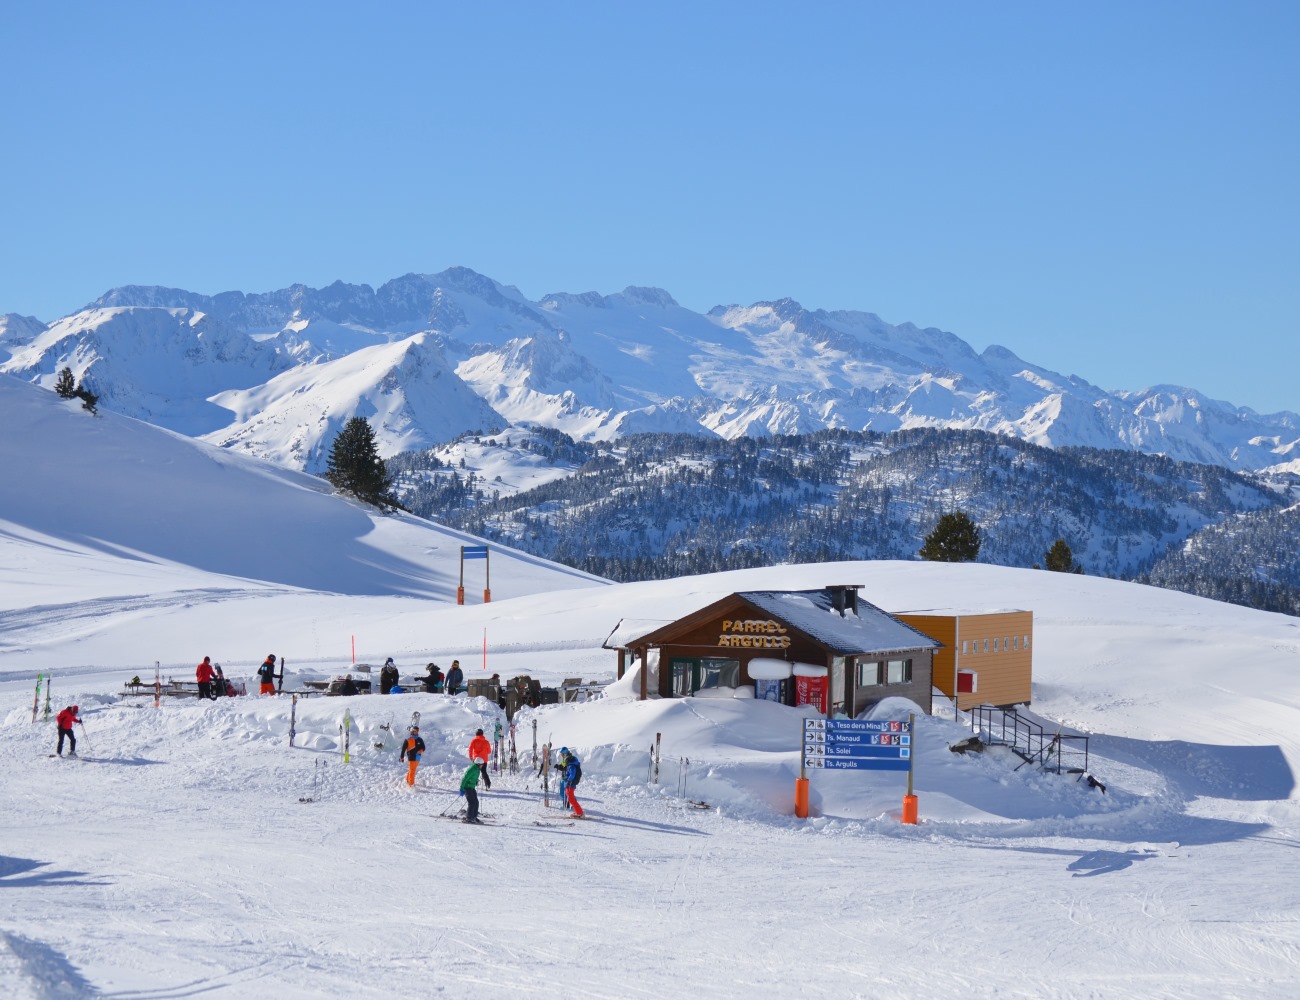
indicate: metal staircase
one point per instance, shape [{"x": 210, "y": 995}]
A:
[{"x": 1062, "y": 753}]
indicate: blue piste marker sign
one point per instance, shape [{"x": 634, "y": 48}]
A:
[{"x": 852, "y": 744}]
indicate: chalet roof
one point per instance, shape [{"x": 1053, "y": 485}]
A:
[
  {"x": 812, "y": 612},
  {"x": 629, "y": 630}
]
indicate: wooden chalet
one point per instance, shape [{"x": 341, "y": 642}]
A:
[{"x": 825, "y": 648}]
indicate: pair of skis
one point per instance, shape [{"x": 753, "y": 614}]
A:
[{"x": 36, "y": 702}]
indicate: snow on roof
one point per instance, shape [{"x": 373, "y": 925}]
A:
[
  {"x": 811, "y": 612},
  {"x": 629, "y": 630}
]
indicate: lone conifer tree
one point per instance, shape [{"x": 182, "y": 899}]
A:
[
  {"x": 89, "y": 400},
  {"x": 1059, "y": 558},
  {"x": 956, "y": 538},
  {"x": 65, "y": 385},
  {"x": 355, "y": 466}
]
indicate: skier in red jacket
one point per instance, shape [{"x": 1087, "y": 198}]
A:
[
  {"x": 481, "y": 749},
  {"x": 205, "y": 673},
  {"x": 67, "y": 719}
]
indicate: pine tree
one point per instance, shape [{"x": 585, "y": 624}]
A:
[
  {"x": 88, "y": 398},
  {"x": 1059, "y": 558},
  {"x": 65, "y": 385},
  {"x": 355, "y": 466},
  {"x": 956, "y": 538}
]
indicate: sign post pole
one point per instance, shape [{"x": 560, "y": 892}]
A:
[
  {"x": 910, "y": 809},
  {"x": 801, "y": 783}
]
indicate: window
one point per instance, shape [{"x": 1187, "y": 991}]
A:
[
  {"x": 689, "y": 675},
  {"x": 1006, "y": 644},
  {"x": 1026, "y": 642},
  {"x": 899, "y": 671},
  {"x": 1015, "y": 643},
  {"x": 964, "y": 644},
  {"x": 868, "y": 674},
  {"x": 995, "y": 645},
  {"x": 986, "y": 645},
  {"x": 718, "y": 673},
  {"x": 682, "y": 679}
]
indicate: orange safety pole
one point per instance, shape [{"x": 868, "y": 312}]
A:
[
  {"x": 801, "y": 797},
  {"x": 910, "y": 808}
]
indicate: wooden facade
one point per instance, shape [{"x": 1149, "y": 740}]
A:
[
  {"x": 867, "y": 654},
  {"x": 996, "y": 647}
]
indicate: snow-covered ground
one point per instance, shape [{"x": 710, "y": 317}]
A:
[{"x": 177, "y": 857}]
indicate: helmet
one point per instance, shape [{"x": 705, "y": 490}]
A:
[
  {"x": 270, "y": 656},
  {"x": 207, "y": 659},
  {"x": 564, "y": 751},
  {"x": 478, "y": 732},
  {"x": 412, "y": 729},
  {"x": 76, "y": 708}
]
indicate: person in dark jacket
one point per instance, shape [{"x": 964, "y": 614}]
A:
[
  {"x": 454, "y": 678},
  {"x": 204, "y": 674},
  {"x": 469, "y": 790},
  {"x": 387, "y": 676},
  {"x": 433, "y": 679},
  {"x": 66, "y": 720},
  {"x": 412, "y": 751},
  {"x": 349, "y": 686},
  {"x": 266, "y": 673}
]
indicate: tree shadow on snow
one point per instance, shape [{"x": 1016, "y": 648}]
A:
[
  {"x": 46, "y": 970},
  {"x": 15, "y": 872}
]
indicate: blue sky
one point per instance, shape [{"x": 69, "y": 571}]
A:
[{"x": 1108, "y": 189}]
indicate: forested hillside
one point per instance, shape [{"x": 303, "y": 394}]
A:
[{"x": 654, "y": 506}]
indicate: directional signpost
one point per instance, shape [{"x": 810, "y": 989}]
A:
[
  {"x": 856, "y": 745},
  {"x": 851, "y": 744}
]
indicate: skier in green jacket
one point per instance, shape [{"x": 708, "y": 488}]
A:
[{"x": 469, "y": 789}]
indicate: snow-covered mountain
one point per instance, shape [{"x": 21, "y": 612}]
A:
[
  {"x": 275, "y": 374},
  {"x": 120, "y": 504}
]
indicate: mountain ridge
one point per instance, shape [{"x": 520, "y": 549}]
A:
[{"x": 597, "y": 367}]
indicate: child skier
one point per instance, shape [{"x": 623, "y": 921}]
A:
[
  {"x": 412, "y": 751},
  {"x": 66, "y": 720},
  {"x": 469, "y": 790},
  {"x": 572, "y": 775}
]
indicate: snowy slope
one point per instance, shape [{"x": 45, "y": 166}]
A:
[
  {"x": 204, "y": 869},
  {"x": 117, "y": 507},
  {"x": 597, "y": 366}
]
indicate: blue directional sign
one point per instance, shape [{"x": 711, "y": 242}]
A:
[
  {"x": 852, "y": 744},
  {"x": 474, "y": 551}
]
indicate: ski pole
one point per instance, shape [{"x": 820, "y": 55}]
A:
[{"x": 83, "y": 733}]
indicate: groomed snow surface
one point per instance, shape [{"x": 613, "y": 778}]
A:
[{"x": 176, "y": 857}]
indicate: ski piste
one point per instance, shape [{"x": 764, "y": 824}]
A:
[
  {"x": 37, "y": 699},
  {"x": 345, "y": 727},
  {"x": 514, "y": 757},
  {"x": 293, "y": 719}
]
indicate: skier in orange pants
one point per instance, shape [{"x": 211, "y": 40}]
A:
[{"x": 412, "y": 750}]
